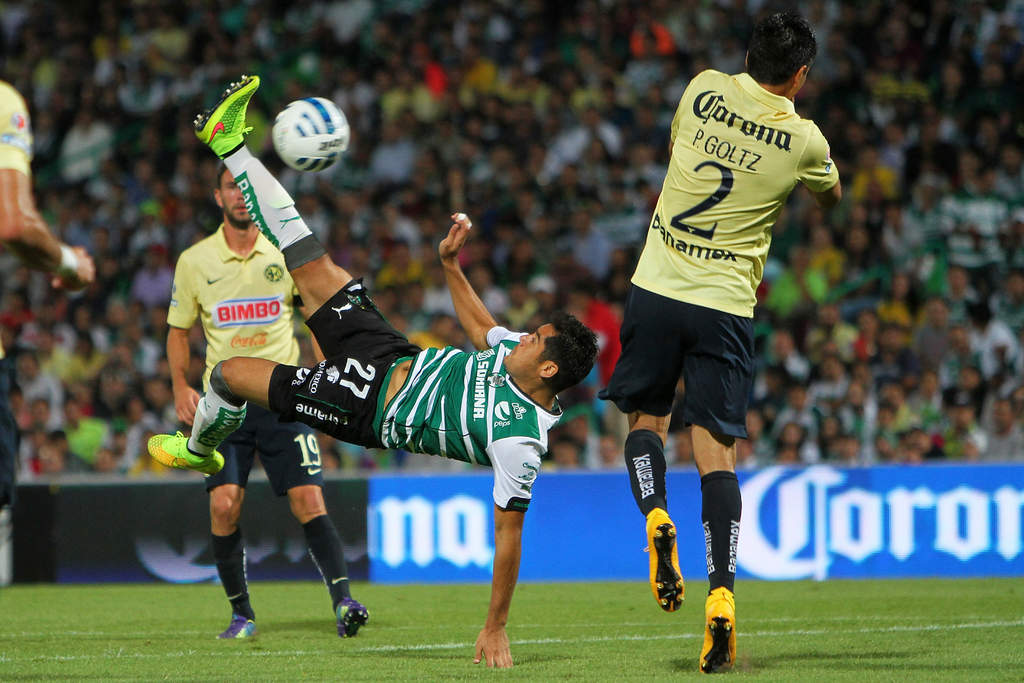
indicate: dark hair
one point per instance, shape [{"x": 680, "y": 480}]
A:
[
  {"x": 221, "y": 167},
  {"x": 573, "y": 349},
  {"x": 781, "y": 44}
]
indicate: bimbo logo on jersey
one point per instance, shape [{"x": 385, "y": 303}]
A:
[
  {"x": 813, "y": 523},
  {"x": 256, "y": 311}
]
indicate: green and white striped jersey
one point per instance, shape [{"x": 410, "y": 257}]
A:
[{"x": 465, "y": 406}]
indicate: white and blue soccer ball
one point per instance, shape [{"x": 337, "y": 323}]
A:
[{"x": 310, "y": 134}]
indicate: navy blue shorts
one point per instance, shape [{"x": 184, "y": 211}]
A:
[
  {"x": 713, "y": 351},
  {"x": 8, "y": 435},
  {"x": 288, "y": 451}
]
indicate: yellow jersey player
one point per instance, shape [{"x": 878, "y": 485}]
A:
[
  {"x": 738, "y": 148},
  {"x": 235, "y": 282},
  {"x": 24, "y": 232}
]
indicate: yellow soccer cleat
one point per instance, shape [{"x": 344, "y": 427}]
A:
[
  {"x": 172, "y": 451},
  {"x": 719, "y": 651},
  {"x": 223, "y": 128},
  {"x": 666, "y": 579}
]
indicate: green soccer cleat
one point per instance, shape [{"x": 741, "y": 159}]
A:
[
  {"x": 172, "y": 451},
  {"x": 222, "y": 128}
]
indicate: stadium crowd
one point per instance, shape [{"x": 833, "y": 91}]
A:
[{"x": 889, "y": 330}]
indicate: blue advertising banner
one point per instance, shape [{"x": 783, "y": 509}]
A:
[{"x": 816, "y": 522}]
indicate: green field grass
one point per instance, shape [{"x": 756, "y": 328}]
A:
[{"x": 836, "y": 630}]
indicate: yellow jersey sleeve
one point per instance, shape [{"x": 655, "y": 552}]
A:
[
  {"x": 15, "y": 131},
  {"x": 184, "y": 306},
  {"x": 737, "y": 153},
  {"x": 817, "y": 170}
]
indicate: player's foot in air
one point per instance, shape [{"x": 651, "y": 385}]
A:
[
  {"x": 351, "y": 615},
  {"x": 172, "y": 450},
  {"x": 666, "y": 579},
  {"x": 222, "y": 128},
  {"x": 240, "y": 627},
  {"x": 719, "y": 651}
]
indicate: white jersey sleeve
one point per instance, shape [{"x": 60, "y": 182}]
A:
[
  {"x": 516, "y": 461},
  {"x": 498, "y": 334}
]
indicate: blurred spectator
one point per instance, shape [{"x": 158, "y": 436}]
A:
[
  {"x": 37, "y": 385},
  {"x": 151, "y": 285},
  {"x": 962, "y": 438},
  {"x": 86, "y": 436},
  {"x": 932, "y": 336},
  {"x": 798, "y": 290},
  {"x": 830, "y": 330}
]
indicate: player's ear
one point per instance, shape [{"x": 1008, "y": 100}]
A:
[
  {"x": 217, "y": 198},
  {"x": 548, "y": 369}
]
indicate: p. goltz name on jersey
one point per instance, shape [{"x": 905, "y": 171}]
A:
[{"x": 254, "y": 311}]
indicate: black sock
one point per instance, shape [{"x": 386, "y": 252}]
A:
[
  {"x": 325, "y": 547},
  {"x": 230, "y": 557},
  {"x": 645, "y": 460},
  {"x": 720, "y": 513}
]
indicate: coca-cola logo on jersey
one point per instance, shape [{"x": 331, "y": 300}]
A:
[{"x": 236, "y": 312}]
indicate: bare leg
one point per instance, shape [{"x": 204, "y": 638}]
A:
[
  {"x": 318, "y": 281},
  {"x": 225, "y": 508},
  {"x": 713, "y": 452},
  {"x": 249, "y": 378}
]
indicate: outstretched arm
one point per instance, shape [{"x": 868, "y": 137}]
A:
[
  {"x": 178, "y": 358},
  {"x": 492, "y": 644},
  {"x": 25, "y": 233},
  {"x": 476, "y": 320}
]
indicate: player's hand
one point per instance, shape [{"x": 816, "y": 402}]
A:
[
  {"x": 185, "y": 402},
  {"x": 84, "y": 275},
  {"x": 457, "y": 234},
  {"x": 492, "y": 646}
]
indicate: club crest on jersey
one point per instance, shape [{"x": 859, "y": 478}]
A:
[
  {"x": 300, "y": 376},
  {"x": 256, "y": 311},
  {"x": 273, "y": 273},
  {"x": 496, "y": 380}
]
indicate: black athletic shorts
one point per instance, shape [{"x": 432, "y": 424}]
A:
[
  {"x": 339, "y": 395},
  {"x": 288, "y": 451},
  {"x": 8, "y": 434},
  {"x": 663, "y": 338}
]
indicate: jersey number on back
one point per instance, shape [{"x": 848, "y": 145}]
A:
[{"x": 716, "y": 197}]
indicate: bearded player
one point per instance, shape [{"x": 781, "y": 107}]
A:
[
  {"x": 375, "y": 388},
  {"x": 738, "y": 148}
]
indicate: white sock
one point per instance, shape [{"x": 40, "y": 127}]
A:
[
  {"x": 215, "y": 420},
  {"x": 271, "y": 207}
]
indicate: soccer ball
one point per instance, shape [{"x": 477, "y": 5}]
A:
[{"x": 310, "y": 134}]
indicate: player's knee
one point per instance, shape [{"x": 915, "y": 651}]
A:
[
  {"x": 225, "y": 508},
  {"x": 221, "y": 379},
  {"x": 306, "y": 502}
]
